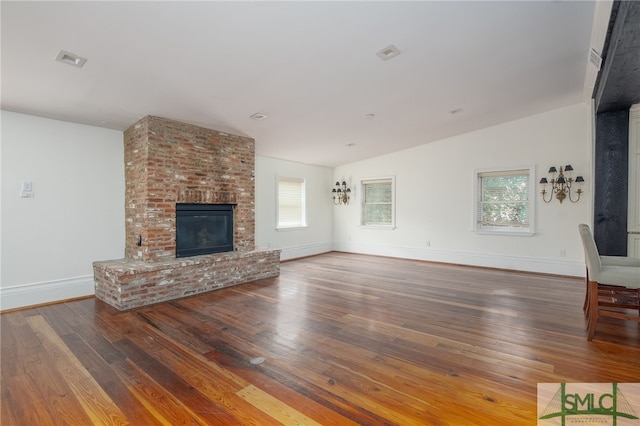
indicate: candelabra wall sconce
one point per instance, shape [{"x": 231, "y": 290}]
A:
[
  {"x": 341, "y": 193},
  {"x": 562, "y": 185}
]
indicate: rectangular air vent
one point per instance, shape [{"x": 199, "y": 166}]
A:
[
  {"x": 388, "y": 53},
  {"x": 595, "y": 59},
  {"x": 70, "y": 59}
]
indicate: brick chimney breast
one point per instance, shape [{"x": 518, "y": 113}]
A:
[{"x": 169, "y": 162}]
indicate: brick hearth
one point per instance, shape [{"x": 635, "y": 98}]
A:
[{"x": 168, "y": 162}]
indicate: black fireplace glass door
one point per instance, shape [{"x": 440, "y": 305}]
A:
[{"x": 203, "y": 229}]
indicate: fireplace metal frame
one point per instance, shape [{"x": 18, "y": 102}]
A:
[{"x": 205, "y": 210}]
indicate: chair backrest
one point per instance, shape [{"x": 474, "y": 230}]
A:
[{"x": 591, "y": 254}]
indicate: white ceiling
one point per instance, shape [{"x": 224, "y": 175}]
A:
[{"x": 311, "y": 67}]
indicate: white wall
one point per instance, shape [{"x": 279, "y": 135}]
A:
[
  {"x": 76, "y": 216},
  {"x": 317, "y": 237},
  {"x": 434, "y": 184}
]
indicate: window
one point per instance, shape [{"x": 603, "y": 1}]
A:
[
  {"x": 378, "y": 203},
  {"x": 291, "y": 203},
  {"x": 503, "y": 201}
]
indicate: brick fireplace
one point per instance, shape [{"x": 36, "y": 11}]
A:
[{"x": 169, "y": 163}]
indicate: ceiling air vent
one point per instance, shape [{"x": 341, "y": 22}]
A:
[
  {"x": 593, "y": 68},
  {"x": 70, "y": 59},
  {"x": 258, "y": 116},
  {"x": 388, "y": 53},
  {"x": 595, "y": 59}
]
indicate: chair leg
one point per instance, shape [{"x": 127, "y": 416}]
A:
[
  {"x": 592, "y": 319},
  {"x": 585, "y": 306},
  {"x": 588, "y": 308}
]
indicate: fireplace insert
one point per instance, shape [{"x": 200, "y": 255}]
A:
[{"x": 203, "y": 229}]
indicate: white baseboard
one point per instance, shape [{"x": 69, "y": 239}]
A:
[
  {"x": 294, "y": 252},
  {"x": 24, "y": 295},
  {"x": 518, "y": 263}
]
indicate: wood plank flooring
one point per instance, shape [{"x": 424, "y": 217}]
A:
[{"x": 347, "y": 339}]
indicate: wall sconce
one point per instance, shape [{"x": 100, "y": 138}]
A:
[
  {"x": 341, "y": 193},
  {"x": 562, "y": 185}
]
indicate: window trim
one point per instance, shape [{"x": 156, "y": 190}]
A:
[
  {"x": 369, "y": 180},
  {"x": 505, "y": 230},
  {"x": 304, "y": 223}
]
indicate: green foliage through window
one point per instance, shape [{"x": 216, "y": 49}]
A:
[
  {"x": 504, "y": 200},
  {"x": 377, "y": 202}
]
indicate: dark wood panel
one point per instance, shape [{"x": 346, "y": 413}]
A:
[
  {"x": 611, "y": 182},
  {"x": 347, "y": 339},
  {"x": 618, "y": 85}
]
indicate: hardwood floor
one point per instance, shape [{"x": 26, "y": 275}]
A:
[{"x": 347, "y": 339}]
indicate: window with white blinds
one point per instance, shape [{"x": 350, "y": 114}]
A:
[
  {"x": 291, "y": 203},
  {"x": 378, "y": 203},
  {"x": 504, "y": 201}
]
